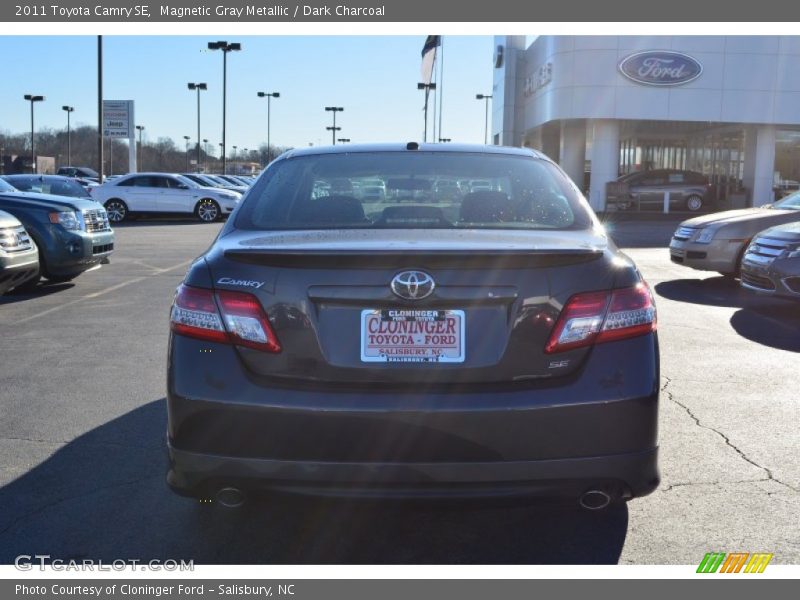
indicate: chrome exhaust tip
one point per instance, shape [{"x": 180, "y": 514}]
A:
[
  {"x": 231, "y": 497},
  {"x": 594, "y": 500}
]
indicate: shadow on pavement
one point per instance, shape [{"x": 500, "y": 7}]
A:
[
  {"x": 777, "y": 327},
  {"x": 103, "y": 496},
  {"x": 773, "y": 322},
  {"x": 42, "y": 289}
]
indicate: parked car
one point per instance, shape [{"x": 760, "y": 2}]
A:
[
  {"x": 687, "y": 190},
  {"x": 771, "y": 263},
  {"x": 56, "y": 185},
  {"x": 80, "y": 173},
  {"x": 716, "y": 242},
  {"x": 236, "y": 180},
  {"x": 218, "y": 181},
  {"x": 19, "y": 257},
  {"x": 165, "y": 193},
  {"x": 72, "y": 234},
  {"x": 492, "y": 345}
]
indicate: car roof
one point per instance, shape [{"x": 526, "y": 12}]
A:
[{"x": 421, "y": 147}]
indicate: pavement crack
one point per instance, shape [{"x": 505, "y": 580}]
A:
[
  {"x": 672, "y": 486},
  {"x": 768, "y": 472},
  {"x": 40, "y": 509}
]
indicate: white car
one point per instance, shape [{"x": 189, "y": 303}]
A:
[{"x": 163, "y": 193}]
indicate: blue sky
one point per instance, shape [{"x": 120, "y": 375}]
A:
[{"x": 373, "y": 78}]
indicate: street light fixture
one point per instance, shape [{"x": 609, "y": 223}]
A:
[
  {"x": 68, "y": 110},
  {"x": 269, "y": 96},
  {"x": 198, "y": 87},
  {"x": 187, "y": 138},
  {"x": 443, "y": 140},
  {"x": 33, "y": 99},
  {"x": 140, "y": 129},
  {"x": 225, "y": 47},
  {"x": 486, "y": 97},
  {"x": 334, "y": 129}
]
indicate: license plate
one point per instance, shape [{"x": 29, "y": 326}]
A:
[{"x": 406, "y": 335}]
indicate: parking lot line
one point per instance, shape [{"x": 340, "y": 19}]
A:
[{"x": 103, "y": 292}]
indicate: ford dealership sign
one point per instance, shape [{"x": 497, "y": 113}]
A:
[{"x": 661, "y": 67}]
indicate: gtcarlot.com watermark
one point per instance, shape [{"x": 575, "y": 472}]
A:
[{"x": 28, "y": 562}]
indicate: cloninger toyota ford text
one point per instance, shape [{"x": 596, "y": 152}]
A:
[{"x": 433, "y": 340}]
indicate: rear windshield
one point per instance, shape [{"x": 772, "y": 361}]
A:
[{"x": 411, "y": 190}]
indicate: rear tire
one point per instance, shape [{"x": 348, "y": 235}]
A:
[
  {"x": 694, "y": 203},
  {"x": 207, "y": 210},
  {"x": 117, "y": 210}
]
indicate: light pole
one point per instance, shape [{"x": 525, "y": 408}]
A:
[
  {"x": 140, "y": 129},
  {"x": 269, "y": 96},
  {"x": 342, "y": 140},
  {"x": 486, "y": 97},
  {"x": 187, "y": 138},
  {"x": 198, "y": 87},
  {"x": 205, "y": 152},
  {"x": 225, "y": 47},
  {"x": 334, "y": 129},
  {"x": 68, "y": 110},
  {"x": 33, "y": 99}
]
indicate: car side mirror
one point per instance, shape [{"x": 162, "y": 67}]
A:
[{"x": 183, "y": 186}]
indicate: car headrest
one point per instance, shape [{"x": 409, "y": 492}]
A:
[
  {"x": 487, "y": 207},
  {"x": 332, "y": 209}
]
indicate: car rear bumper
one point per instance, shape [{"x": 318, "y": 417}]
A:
[
  {"x": 622, "y": 476},
  {"x": 598, "y": 429}
]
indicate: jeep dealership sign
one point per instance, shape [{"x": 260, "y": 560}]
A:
[{"x": 660, "y": 68}]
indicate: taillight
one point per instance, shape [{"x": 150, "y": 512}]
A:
[
  {"x": 225, "y": 317},
  {"x": 595, "y": 317}
]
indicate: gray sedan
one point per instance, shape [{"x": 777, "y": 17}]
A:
[{"x": 772, "y": 262}]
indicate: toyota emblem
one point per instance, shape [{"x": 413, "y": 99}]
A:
[{"x": 413, "y": 285}]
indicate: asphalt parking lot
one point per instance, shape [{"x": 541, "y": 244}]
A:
[{"x": 82, "y": 380}]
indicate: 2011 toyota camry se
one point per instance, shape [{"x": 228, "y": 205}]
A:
[{"x": 487, "y": 342}]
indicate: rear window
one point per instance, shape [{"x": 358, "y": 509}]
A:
[{"x": 411, "y": 190}]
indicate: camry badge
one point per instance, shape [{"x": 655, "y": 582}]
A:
[
  {"x": 413, "y": 285},
  {"x": 240, "y": 282}
]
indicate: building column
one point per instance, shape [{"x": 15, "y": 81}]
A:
[
  {"x": 605, "y": 160},
  {"x": 551, "y": 140},
  {"x": 760, "y": 164},
  {"x": 573, "y": 149}
]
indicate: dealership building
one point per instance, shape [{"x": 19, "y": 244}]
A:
[{"x": 605, "y": 106}]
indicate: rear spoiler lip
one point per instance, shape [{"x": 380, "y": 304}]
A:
[
  {"x": 370, "y": 258},
  {"x": 231, "y": 253}
]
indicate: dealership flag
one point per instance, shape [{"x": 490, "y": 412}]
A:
[{"x": 429, "y": 57}]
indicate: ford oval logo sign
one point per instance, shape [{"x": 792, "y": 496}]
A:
[{"x": 661, "y": 67}]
